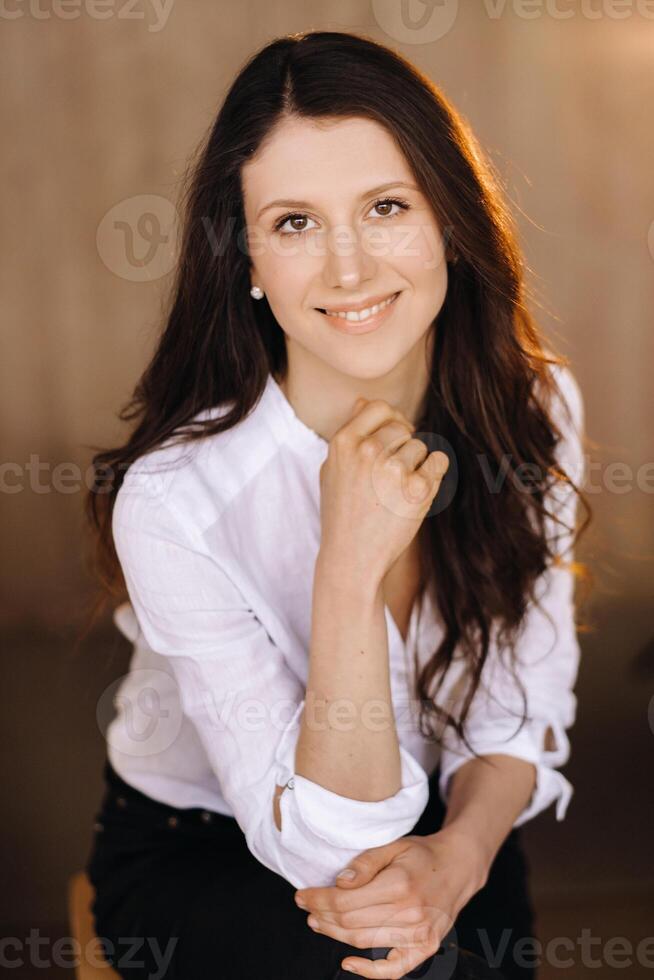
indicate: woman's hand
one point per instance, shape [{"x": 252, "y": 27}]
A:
[
  {"x": 376, "y": 485},
  {"x": 405, "y": 895}
]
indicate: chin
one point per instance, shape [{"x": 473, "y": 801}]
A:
[{"x": 368, "y": 366}]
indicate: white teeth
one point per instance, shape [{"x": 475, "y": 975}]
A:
[{"x": 364, "y": 314}]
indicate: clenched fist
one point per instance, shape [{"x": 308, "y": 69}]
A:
[{"x": 376, "y": 486}]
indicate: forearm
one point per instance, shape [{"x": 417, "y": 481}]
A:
[
  {"x": 348, "y": 740},
  {"x": 484, "y": 802}
]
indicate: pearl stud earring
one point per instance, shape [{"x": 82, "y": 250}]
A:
[{"x": 256, "y": 292}]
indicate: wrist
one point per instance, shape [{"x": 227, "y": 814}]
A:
[
  {"x": 471, "y": 851},
  {"x": 333, "y": 572}
]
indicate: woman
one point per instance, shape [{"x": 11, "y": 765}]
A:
[{"x": 350, "y": 489}]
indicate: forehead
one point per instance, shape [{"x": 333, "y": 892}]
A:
[{"x": 322, "y": 159}]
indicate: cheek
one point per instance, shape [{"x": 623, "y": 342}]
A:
[
  {"x": 438, "y": 281},
  {"x": 289, "y": 274},
  {"x": 288, "y": 256},
  {"x": 276, "y": 255},
  {"x": 429, "y": 272},
  {"x": 288, "y": 302},
  {"x": 428, "y": 287},
  {"x": 428, "y": 255}
]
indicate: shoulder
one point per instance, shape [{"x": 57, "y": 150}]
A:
[
  {"x": 565, "y": 406},
  {"x": 568, "y": 406},
  {"x": 566, "y": 411},
  {"x": 185, "y": 486}
]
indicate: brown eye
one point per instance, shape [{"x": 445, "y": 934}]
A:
[
  {"x": 288, "y": 219},
  {"x": 390, "y": 202}
]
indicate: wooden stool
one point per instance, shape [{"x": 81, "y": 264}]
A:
[{"x": 80, "y": 896}]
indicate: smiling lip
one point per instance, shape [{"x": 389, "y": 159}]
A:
[
  {"x": 362, "y": 326},
  {"x": 354, "y": 307}
]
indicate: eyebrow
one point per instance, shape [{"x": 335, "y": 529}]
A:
[{"x": 288, "y": 203}]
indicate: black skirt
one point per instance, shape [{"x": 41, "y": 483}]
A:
[{"x": 179, "y": 896}]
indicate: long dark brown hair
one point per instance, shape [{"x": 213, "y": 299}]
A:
[{"x": 490, "y": 385}]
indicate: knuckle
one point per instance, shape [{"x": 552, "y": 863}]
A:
[
  {"x": 379, "y": 403},
  {"x": 418, "y": 446},
  {"x": 399, "y": 426},
  {"x": 404, "y": 886},
  {"x": 364, "y": 863},
  {"x": 370, "y": 447},
  {"x": 418, "y": 485},
  {"x": 340, "y": 440},
  {"x": 398, "y": 434},
  {"x": 414, "y": 916}
]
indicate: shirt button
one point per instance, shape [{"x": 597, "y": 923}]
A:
[
  {"x": 98, "y": 826},
  {"x": 172, "y": 821},
  {"x": 206, "y": 816},
  {"x": 121, "y": 801},
  {"x": 291, "y": 783}
]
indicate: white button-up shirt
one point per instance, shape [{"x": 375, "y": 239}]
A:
[{"x": 217, "y": 540}]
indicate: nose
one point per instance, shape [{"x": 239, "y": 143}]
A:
[{"x": 347, "y": 263}]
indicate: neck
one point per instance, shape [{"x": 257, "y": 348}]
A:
[{"x": 404, "y": 388}]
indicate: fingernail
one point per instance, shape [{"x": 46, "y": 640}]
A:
[
  {"x": 347, "y": 873},
  {"x": 350, "y": 969}
]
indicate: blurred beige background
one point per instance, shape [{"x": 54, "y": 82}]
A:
[{"x": 101, "y": 107}]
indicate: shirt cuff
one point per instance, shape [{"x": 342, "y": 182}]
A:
[
  {"x": 311, "y": 811},
  {"x": 551, "y": 785}
]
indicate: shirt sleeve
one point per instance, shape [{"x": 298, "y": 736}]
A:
[
  {"x": 547, "y": 649},
  {"x": 244, "y": 701}
]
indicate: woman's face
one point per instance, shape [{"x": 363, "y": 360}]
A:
[{"x": 323, "y": 233}]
